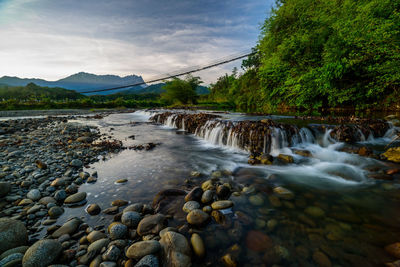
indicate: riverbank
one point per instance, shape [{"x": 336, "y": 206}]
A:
[{"x": 242, "y": 216}]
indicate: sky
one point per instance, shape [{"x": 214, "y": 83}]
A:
[{"x": 52, "y": 39}]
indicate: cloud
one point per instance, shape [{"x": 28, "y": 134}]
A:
[{"x": 53, "y": 39}]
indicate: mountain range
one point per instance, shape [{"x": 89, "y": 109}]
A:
[{"x": 81, "y": 82}]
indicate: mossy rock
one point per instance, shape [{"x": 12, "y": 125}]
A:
[{"x": 393, "y": 154}]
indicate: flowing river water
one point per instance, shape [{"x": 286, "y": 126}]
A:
[{"x": 338, "y": 214}]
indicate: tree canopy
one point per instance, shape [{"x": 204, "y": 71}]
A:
[{"x": 182, "y": 91}]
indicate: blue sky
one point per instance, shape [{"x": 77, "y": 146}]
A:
[{"x": 52, "y": 39}]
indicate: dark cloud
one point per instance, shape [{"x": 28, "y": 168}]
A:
[{"x": 145, "y": 37}]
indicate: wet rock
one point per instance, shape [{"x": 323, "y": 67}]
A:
[
  {"x": 283, "y": 193},
  {"x": 112, "y": 253},
  {"x": 55, "y": 212},
  {"x": 112, "y": 210},
  {"x": 42, "y": 253},
  {"x": 198, "y": 245},
  {"x": 12, "y": 260},
  {"x": 392, "y": 154},
  {"x": 12, "y": 234},
  {"x": 25, "y": 202},
  {"x": 4, "y": 189},
  {"x": 84, "y": 139},
  {"x": 190, "y": 205},
  {"x": 207, "y": 196},
  {"x": 121, "y": 181},
  {"x": 176, "y": 250},
  {"x": 131, "y": 218},
  {"x": 41, "y": 165},
  {"x": 21, "y": 249},
  {"x": 97, "y": 246},
  {"x": 60, "y": 195},
  {"x": 285, "y": 158},
  {"x": 223, "y": 192},
  {"x": 208, "y": 185},
  {"x": 256, "y": 200},
  {"x": 117, "y": 231},
  {"x": 152, "y": 224},
  {"x": 258, "y": 241},
  {"x": 76, "y": 163},
  {"x": 108, "y": 264},
  {"x": 394, "y": 249},
  {"x": 93, "y": 209},
  {"x": 197, "y": 217},
  {"x": 148, "y": 261},
  {"x": 34, "y": 194},
  {"x": 137, "y": 207},
  {"x": 364, "y": 151},
  {"x": 222, "y": 204},
  {"x": 78, "y": 197},
  {"x": 314, "y": 211},
  {"x": 58, "y": 182},
  {"x": 95, "y": 235},
  {"x": 47, "y": 200},
  {"x": 119, "y": 203},
  {"x": 321, "y": 259},
  {"x": 143, "y": 248},
  {"x": 68, "y": 228},
  {"x": 194, "y": 195}
]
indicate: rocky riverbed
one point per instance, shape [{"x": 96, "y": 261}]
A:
[{"x": 221, "y": 218}]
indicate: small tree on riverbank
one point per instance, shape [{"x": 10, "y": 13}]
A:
[{"x": 182, "y": 91}]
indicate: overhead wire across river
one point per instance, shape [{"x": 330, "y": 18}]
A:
[{"x": 179, "y": 73}]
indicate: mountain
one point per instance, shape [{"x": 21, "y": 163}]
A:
[
  {"x": 157, "y": 89},
  {"x": 81, "y": 82}
]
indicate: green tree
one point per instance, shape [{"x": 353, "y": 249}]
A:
[{"x": 182, "y": 91}]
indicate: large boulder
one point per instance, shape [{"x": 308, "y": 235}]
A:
[
  {"x": 42, "y": 253},
  {"x": 12, "y": 234}
]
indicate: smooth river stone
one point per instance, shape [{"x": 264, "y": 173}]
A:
[
  {"x": 314, "y": 211},
  {"x": 78, "y": 197},
  {"x": 143, "y": 248},
  {"x": 190, "y": 205},
  {"x": 198, "y": 245},
  {"x": 222, "y": 204},
  {"x": 42, "y": 253},
  {"x": 197, "y": 217},
  {"x": 68, "y": 228},
  {"x": 152, "y": 224}
]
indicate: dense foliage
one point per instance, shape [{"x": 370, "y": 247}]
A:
[
  {"x": 182, "y": 91},
  {"x": 325, "y": 53}
]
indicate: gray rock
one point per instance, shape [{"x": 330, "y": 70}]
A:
[
  {"x": 34, "y": 194},
  {"x": 21, "y": 249},
  {"x": 76, "y": 163},
  {"x": 143, "y": 248},
  {"x": 12, "y": 234},
  {"x": 93, "y": 209},
  {"x": 12, "y": 260},
  {"x": 117, "y": 231},
  {"x": 4, "y": 189},
  {"x": 138, "y": 207},
  {"x": 131, "y": 219},
  {"x": 191, "y": 205},
  {"x": 60, "y": 195},
  {"x": 222, "y": 204},
  {"x": 55, "y": 212},
  {"x": 112, "y": 253},
  {"x": 42, "y": 253},
  {"x": 148, "y": 261},
  {"x": 96, "y": 246},
  {"x": 207, "y": 196},
  {"x": 95, "y": 235}
]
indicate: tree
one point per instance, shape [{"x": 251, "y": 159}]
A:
[{"x": 182, "y": 91}]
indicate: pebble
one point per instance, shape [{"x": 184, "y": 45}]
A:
[
  {"x": 190, "y": 205},
  {"x": 131, "y": 218},
  {"x": 68, "y": 228},
  {"x": 55, "y": 212},
  {"x": 256, "y": 200},
  {"x": 283, "y": 193},
  {"x": 95, "y": 235},
  {"x": 197, "y": 217},
  {"x": 12, "y": 234},
  {"x": 112, "y": 253},
  {"x": 151, "y": 224},
  {"x": 194, "y": 195},
  {"x": 148, "y": 261},
  {"x": 207, "y": 196},
  {"x": 34, "y": 194},
  {"x": 222, "y": 204},
  {"x": 76, "y": 163},
  {"x": 314, "y": 211},
  {"x": 143, "y": 248},
  {"x": 198, "y": 245},
  {"x": 117, "y": 231},
  {"x": 93, "y": 209},
  {"x": 77, "y": 197},
  {"x": 5, "y": 187}
]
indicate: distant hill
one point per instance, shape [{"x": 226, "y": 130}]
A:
[
  {"x": 79, "y": 82},
  {"x": 33, "y": 91},
  {"x": 157, "y": 89}
]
